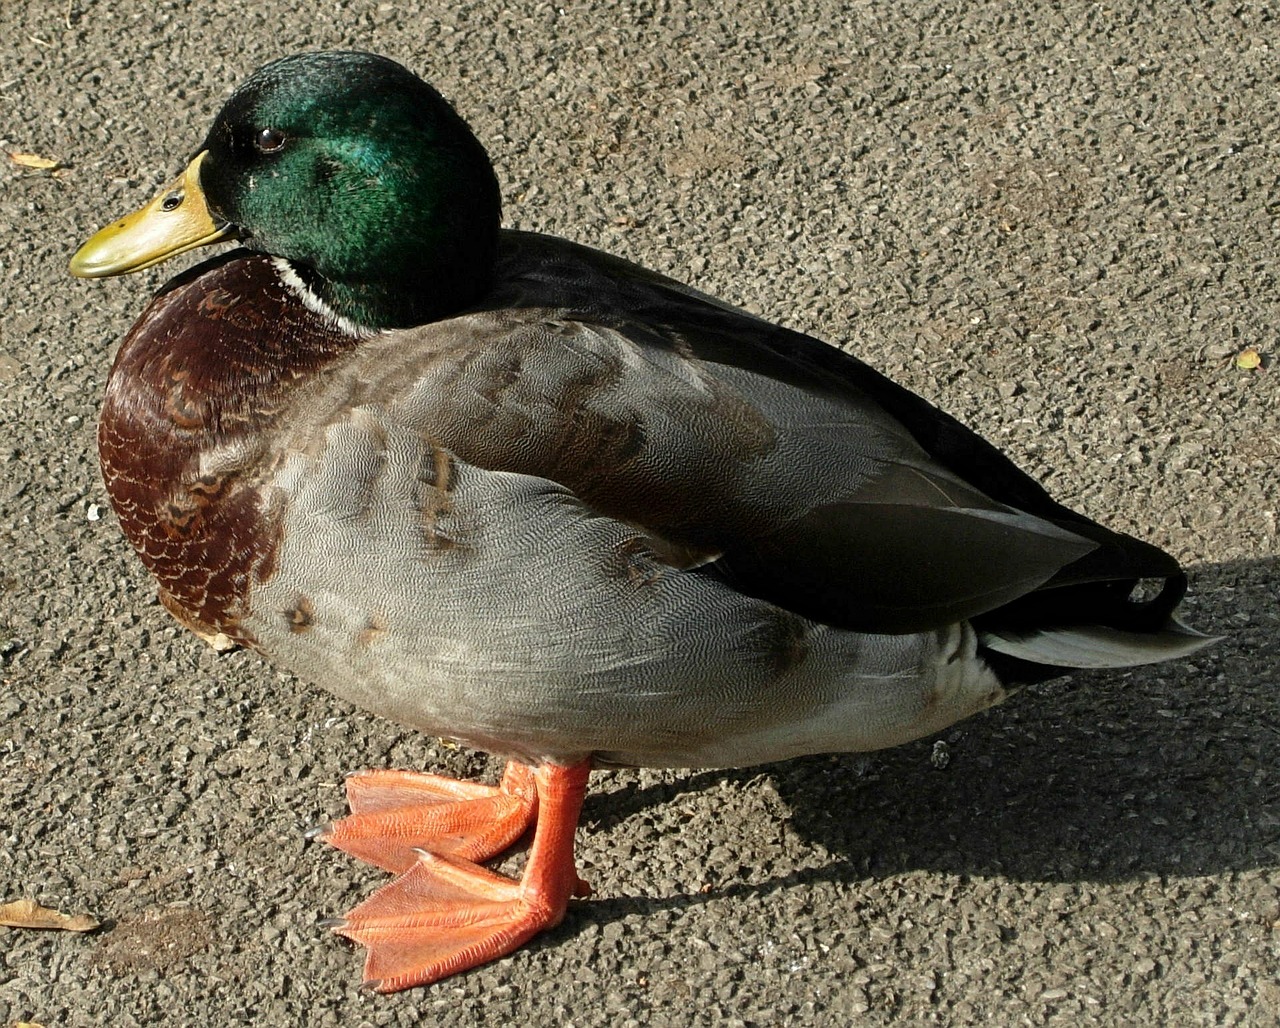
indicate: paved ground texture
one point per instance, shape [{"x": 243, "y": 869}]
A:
[{"x": 1058, "y": 220}]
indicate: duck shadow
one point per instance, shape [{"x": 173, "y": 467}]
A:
[{"x": 1170, "y": 770}]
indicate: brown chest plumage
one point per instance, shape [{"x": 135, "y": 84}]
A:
[{"x": 200, "y": 389}]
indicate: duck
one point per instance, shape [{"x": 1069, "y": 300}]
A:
[{"x": 513, "y": 491}]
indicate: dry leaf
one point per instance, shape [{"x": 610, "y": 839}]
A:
[
  {"x": 28, "y": 1024},
  {"x": 1249, "y": 360},
  {"x": 29, "y": 914},
  {"x": 32, "y": 160}
]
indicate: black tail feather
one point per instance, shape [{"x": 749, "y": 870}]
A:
[{"x": 1108, "y": 603}]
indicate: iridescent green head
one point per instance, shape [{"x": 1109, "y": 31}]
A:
[{"x": 352, "y": 168}]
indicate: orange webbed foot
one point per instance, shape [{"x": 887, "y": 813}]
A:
[
  {"x": 396, "y": 813},
  {"x": 446, "y": 913}
]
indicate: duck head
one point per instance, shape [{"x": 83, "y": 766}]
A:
[{"x": 348, "y": 166}]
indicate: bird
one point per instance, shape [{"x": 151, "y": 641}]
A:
[{"x": 513, "y": 491}]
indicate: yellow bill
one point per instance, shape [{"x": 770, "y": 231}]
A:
[{"x": 176, "y": 221}]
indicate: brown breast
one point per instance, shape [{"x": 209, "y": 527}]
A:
[{"x": 199, "y": 392}]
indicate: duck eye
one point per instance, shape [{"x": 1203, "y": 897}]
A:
[{"x": 269, "y": 140}]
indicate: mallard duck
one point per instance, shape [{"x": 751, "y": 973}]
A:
[{"x": 510, "y": 490}]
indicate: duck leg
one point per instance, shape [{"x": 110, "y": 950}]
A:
[
  {"x": 396, "y": 813},
  {"x": 447, "y": 914}
]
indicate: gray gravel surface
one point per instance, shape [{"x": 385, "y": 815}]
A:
[{"x": 1057, "y": 220}]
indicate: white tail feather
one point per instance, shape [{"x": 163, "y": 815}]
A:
[{"x": 1096, "y": 646}]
